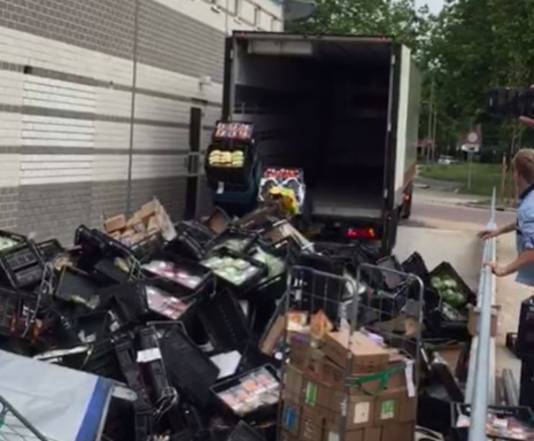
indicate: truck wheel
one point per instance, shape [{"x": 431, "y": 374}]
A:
[{"x": 406, "y": 210}]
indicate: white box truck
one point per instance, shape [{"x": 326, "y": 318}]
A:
[{"x": 345, "y": 109}]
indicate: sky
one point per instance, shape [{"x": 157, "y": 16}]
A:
[{"x": 434, "y": 5}]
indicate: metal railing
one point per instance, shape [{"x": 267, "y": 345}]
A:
[{"x": 480, "y": 391}]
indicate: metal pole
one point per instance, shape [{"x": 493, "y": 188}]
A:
[
  {"x": 430, "y": 114},
  {"x": 482, "y": 391},
  {"x": 469, "y": 169}
]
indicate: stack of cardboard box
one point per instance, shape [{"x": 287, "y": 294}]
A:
[
  {"x": 380, "y": 402},
  {"x": 149, "y": 220}
]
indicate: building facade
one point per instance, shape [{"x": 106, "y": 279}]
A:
[{"x": 96, "y": 99}]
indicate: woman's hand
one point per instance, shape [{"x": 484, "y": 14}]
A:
[
  {"x": 488, "y": 234},
  {"x": 498, "y": 270}
]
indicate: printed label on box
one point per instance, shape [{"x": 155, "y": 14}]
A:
[
  {"x": 333, "y": 436},
  {"x": 290, "y": 418},
  {"x": 362, "y": 412},
  {"x": 311, "y": 394},
  {"x": 387, "y": 410}
]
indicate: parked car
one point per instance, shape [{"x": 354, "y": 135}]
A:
[{"x": 446, "y": 160}]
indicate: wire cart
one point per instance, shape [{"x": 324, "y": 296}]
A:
[
  {"x": 352, "y": 303},
  {"x": 14, "y": 427}
]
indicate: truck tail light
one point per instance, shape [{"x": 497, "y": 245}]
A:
[{"x": 361, "y": 233}]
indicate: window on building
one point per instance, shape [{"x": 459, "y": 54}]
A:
[{"x": 257, "y": 16}]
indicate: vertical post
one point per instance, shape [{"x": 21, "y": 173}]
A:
[
  {"x": 469, "y": 169},
  {"x": 503, "y": 180},
  {"x": 430, "y": 115},
  {"x": 132, "y": 109}
]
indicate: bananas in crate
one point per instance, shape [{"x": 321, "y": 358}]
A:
[{"x": 220, "y": 158}]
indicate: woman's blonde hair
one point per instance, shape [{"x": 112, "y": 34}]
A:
[{"x": 523, "y": 164}]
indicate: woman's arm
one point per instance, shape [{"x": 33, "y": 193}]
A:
[{"x": 524, "y": 258}]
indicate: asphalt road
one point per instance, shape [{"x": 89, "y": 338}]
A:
[{"x": 456, "y": 213}]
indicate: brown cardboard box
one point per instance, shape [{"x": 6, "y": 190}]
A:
[
  {"x": 373, "y": 434},
  {"x": 360, "y": 411},
  {"x": 323, "y": 369},
  {"x": 285, "y": 436},
  {"x": 299, "y": 345},
  {"x": 274, "y": 335},
  {"x": 153, "y": 225},
  {"x": 293, "y": 383},
  {"x": 149, "y": 209},
  {"x": 407, "y": 408},
  {"x": 311, "y": 425},
  {"x": 368, "y": 356},
  {"x": 399, "y": 432},
  {"x": 115, "y": 223},
  {"x": 316, "y": 394},
  {"x": 474, "y": 314},
  {"x": 395, "y": 380},
  {"x": 387, "y": 407},
  {"x": 368, "y": 434},
  {"x": 291, "y": 416}
]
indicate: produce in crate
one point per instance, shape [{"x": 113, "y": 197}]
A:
[
  {"x": 234, "y": 270},
  {"x": 448, "y": 290}
]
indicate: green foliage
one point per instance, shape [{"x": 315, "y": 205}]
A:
[
  {"x": 470, "y": 47},
  {"x": 396, "y": 18},
  {"x": 484, "y": 176},
  {"x": 475, "y": 45}
]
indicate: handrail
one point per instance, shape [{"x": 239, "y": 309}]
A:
[{"x": 480, "y": 384}]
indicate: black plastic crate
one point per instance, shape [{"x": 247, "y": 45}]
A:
[
  {"x": 79, "y": 287},
  {"x": 216, "y": 263},
  {"x": 522, "y": 416},
  {"x": 415, "y": 264},
  {"x": 191, "y": 240},
  {"x": 244, "y": 432},
  {"x": 224, "y": 322},
  {"x": 95, "y": 245},
  {"x": 18, "y": 310},
  {"x": 146, "y": 248},
  {"x": 446, "y": 269},
  {"x": 21, "y": 265},
  {"x": 165, "y": 270},
  {"x": 524, "y": 345},
  {"x": 235, "y": 393},
  {"x": 188, "y": 368},
  {"x": 439, "y": 326},
  {"x": 50, "y": 249}
]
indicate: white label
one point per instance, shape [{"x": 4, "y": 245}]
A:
[
  {"x": 333, "y": 436},
  {"x": 148, "y": 355},
  {"x": 409, "y": 378},
  {"x": 361, "y": 412},
  {"x": 220, "y": 188}
]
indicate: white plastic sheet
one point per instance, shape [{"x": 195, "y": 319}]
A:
[{"x": 62, "y": 404}]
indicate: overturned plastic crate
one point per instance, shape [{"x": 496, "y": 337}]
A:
[{"x": 21, "y": 265}]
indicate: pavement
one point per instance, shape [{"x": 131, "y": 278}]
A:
[{"x": 443, "y": 228}]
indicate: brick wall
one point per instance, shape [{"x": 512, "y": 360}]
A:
[{"x": 94, "y": 112}]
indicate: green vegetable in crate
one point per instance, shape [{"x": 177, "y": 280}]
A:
[{"x": 436, "y": 283}]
